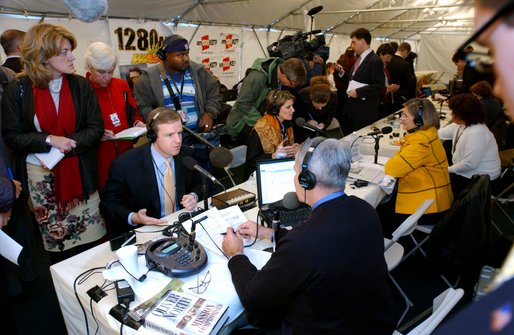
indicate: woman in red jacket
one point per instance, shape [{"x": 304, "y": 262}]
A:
[{"x": 116, "y": 103}]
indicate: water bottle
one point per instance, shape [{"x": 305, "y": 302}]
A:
[{"x": 396, "y": 127}]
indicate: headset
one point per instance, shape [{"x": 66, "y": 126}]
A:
[
  {"x": 418, "y": 119},
  {"x": 306, "y": 178},
  {"x": 274, "y": 109},
  {"x": 161, "y": 52},
  {"x": 151, "y": 135}
]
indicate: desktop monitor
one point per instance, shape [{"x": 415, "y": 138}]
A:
[{"x": 275, "y": 178}]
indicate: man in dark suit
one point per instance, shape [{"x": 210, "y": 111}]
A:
[
  {"x": 11, "y": 40},
  {"x": 363, "y": 103},
  {"x": 400, "y": 74},
  {"x": 137, "y": 191},
  {"x": 313, "y": 283}
]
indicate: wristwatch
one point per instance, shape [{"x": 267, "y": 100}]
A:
[{"x": 48, "y": 140}]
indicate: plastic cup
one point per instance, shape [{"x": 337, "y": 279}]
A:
[{"x": 128, "y": 258}]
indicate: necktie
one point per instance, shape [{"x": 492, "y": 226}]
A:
[
  {"x": 356, "y": 66},
  {"x": 169, "y": 189}
]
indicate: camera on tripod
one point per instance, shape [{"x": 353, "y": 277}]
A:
[{"x": 297, "y": 46}]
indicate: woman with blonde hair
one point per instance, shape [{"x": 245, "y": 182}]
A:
[
  {"x": 117, "y": 105},
  {"x": 49, "y": 108},
  {"x": 421, "y": 169}
]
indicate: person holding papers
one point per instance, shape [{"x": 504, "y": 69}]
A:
[
  {"x": 327, "y": 276},
  {"x": 150, "y": 181},
  {"x": 272, "y": 136},
  {"x": 420, "y": 167},
  {"x": 366, "y": 83},
  {"x": 316, "y": 104},
  {"x": 49, "y": 108},
  {"x": 116, "y": 103}
]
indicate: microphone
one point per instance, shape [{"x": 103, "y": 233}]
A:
[
  {"x": 290, "y": 201},
  {"x": 315, "y": 10},
  {"x": 220, "y": 157},
  {"x": 192, "y": 164},
  {"x": 300, "y": 122},
  {"x": 193, "y": 231},
  {"x": 87, "y": 11},
  {"x": 385, "y": 130},
  {"x": 312, "y": 32}
]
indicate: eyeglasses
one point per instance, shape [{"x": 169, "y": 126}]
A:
[
  {"x": 478, "y": 60},
  {"x": 202, "y": 285},
  {"x": 405, "y": 116}
]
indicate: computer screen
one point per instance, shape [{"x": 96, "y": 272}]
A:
[{"x": 275, "y": 177}]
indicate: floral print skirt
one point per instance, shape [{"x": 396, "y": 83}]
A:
[{"x": 61, "y": 231}]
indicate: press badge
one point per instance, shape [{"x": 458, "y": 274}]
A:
[{"x": 115, "y": 120}]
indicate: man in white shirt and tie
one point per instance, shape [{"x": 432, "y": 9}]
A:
[
  {"x": 150, "y": 182},
  {"x": 362, "y": 104}
]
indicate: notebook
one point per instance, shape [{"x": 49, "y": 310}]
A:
[{"x": 275, "y": 178}]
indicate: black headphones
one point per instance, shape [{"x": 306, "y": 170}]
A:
[
  {"x": 151, "y": 135},
  {"x": 418, "y": 119},
  {"x": 306, "y": 178},
  {"x": 161, "y": 52},
  {"x": 274, "y": 109}
]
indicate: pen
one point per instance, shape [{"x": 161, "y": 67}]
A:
[
  {"x": 226, "y": 233},
  {"x": 10, "y": 173}
]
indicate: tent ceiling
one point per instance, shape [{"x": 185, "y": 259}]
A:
[{"x": 396, "y": 19}]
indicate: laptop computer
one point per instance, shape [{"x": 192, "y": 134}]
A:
[{"x": 275, "y": 178}]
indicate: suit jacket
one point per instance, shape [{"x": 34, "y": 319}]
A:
[
  {"x": 400, "y": 73},
  {"x": 315, "y": 282},
  {"x": 132, "y": 185},
  {"x": 365, "y": 106},
  {"x": 14, "y": 64}
]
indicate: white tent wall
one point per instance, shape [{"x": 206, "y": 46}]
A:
[{"x": 434, "y": 51}]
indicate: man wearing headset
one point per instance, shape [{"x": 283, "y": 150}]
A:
[
  {"x": 327, "y": 276},
  {"x": 179, "y": 84},
  {"x": 139, "y": 189}
]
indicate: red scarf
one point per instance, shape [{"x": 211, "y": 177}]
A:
[{"x": 67, "y": 180}]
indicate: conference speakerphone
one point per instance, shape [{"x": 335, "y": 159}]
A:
[{"x": 176, "y": 257}]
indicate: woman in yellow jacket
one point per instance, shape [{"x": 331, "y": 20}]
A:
[{"x": 421, "y": 167}]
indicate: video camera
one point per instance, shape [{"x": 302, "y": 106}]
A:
[{"x": 297, "y": 46}]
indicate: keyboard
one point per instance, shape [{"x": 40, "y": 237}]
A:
[{"x": 287, "y": 217}]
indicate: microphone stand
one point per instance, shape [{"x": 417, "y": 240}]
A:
[{"x": 205, "y": 193}]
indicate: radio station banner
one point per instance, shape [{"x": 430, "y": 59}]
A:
[{"x": 136, "y": 42}]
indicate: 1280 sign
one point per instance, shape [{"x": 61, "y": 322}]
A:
[{"x": 142, "y": 39}]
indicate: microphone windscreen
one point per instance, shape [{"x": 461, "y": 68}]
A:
[
  {"x": 189, "y": 162},
  {"x": 386, "y": 130},
  {"x": 220, "y": 157},
  {"x": 87, "y": 10},
  {"x": 290, "y": 200},
  {"x": 300, "y": 121}
]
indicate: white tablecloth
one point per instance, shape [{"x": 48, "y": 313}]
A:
[{"x": 220, "y": 289}]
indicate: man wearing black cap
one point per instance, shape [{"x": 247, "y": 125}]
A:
[{"x": 179, "y": 84}]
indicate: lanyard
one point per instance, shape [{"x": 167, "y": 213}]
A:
[{"x": 181, "y": 84}]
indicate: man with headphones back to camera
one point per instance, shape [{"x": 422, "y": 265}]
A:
[
  {"x": 179, "y": 84},
  {"x": 150, "y": 182},
  {"x": 327, "y": 276}
]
